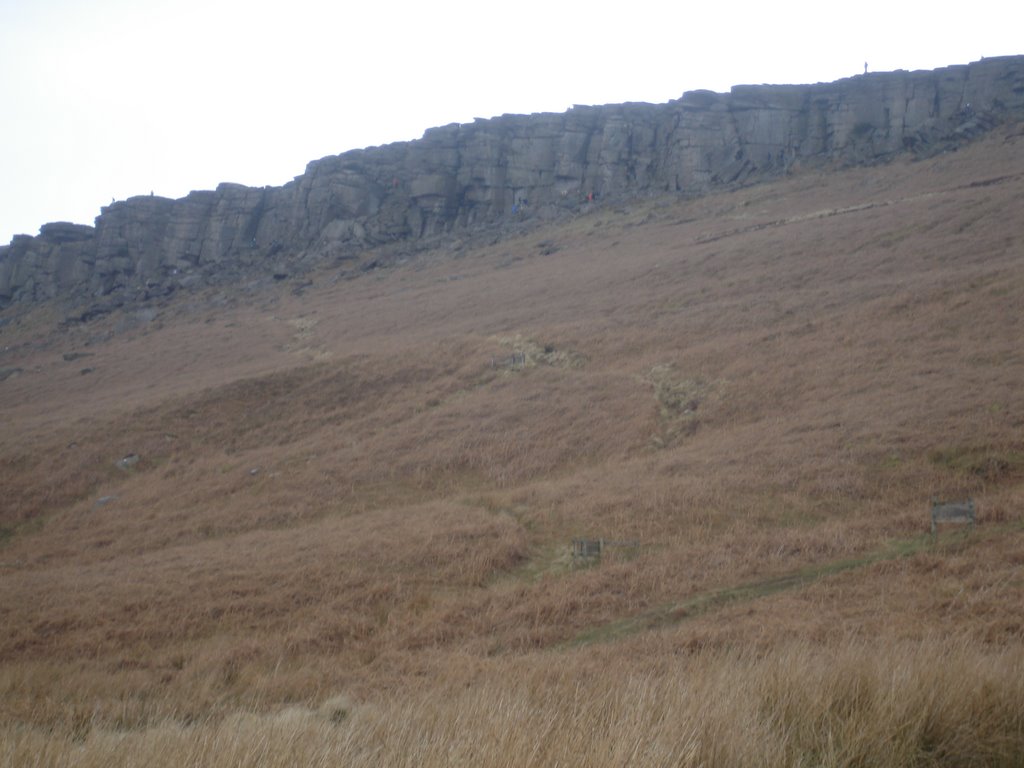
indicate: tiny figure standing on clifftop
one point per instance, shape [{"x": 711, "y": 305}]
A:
[{"x": 865, "y": 67}]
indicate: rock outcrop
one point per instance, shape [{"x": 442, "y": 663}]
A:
[{"x": 475, "y": 175}]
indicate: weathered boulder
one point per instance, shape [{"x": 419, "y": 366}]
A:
[{"x": 478, "y": 174}]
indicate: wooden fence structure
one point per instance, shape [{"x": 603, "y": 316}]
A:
[
  {"x": 961, "y": 512},
  {"x": 590, "y": 549}
]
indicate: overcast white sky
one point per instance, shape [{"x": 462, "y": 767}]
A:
[{"x": 103, "y": 99}]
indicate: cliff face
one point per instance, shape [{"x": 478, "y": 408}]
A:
[{"x": 473, "y": 175}]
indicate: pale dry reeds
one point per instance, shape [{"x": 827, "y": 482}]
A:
[{"x": 935, "y": 703}]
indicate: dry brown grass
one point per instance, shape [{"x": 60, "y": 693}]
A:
[
  {"x": 338, "y": 494},
  {"x": 927, "y": 704}
]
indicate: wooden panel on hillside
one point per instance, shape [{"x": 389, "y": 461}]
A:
[{"x": 961, "y": 512}]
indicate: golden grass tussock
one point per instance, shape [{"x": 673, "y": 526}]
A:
[
  {"x": 344, "y": 533},
  {"x": 937, "y": 702}
]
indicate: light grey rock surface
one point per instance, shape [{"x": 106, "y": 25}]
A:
[{"x": 476, "y": 175}]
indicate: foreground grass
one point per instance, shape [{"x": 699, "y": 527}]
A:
[{"x": 940, "y": 702}]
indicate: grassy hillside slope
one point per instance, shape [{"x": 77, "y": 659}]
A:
[{"x": 343, "y": 535}]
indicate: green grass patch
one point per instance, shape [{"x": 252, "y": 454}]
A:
[
  {"x": 30, "y": 526},
  {"x": 985, "y": 463}
]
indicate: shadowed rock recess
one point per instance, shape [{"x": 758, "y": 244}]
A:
[{"x": 511, "y": 168}]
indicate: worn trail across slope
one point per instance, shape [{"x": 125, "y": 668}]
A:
[
  {"x": 860, "y": 207},
  {"x": 672, "y": 613}
]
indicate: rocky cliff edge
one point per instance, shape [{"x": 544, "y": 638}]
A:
[{"x": 515, "y": 167}]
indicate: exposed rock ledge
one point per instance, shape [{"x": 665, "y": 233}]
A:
[{"x": 478, "y": 174}]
